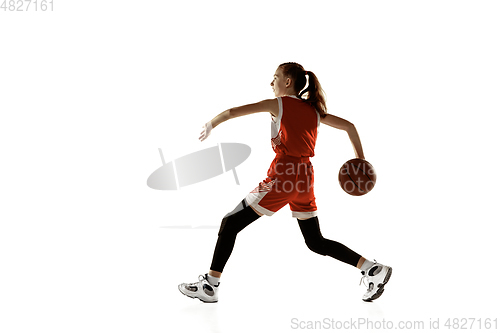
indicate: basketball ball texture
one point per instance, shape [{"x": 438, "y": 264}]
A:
[{"x": 357, "y": 177}]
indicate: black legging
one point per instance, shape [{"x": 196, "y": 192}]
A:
[
  {"x": 231, "y": 225},
  {"x": 317, "y": 243}
]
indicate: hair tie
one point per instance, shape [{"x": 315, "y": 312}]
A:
[{"x": 305, "y": 73}]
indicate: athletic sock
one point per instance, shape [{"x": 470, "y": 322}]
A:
[
  {"x": 367, "y": 264},
  {"x": 213, "y": 280}
]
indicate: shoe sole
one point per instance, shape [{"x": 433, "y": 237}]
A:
[
  {"x": 380, "y": 287},
  {"x": 195, "y": 297}
]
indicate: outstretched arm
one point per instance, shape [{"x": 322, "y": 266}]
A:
[
  {"x": 344, "y": 125},
  {"x": 268, "y": 105}
]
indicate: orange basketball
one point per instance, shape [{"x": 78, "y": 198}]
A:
[{"x": 357, "y": 177}]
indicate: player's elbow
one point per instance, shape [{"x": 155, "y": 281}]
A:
[
  {"x": 349, "y": 127},
  {"x": 352, "y": 131}
]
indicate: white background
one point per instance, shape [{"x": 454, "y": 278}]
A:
[{"x": 90, "y": 91}]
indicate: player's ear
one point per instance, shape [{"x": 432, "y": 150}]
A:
[{"x": 288, "y": 82}]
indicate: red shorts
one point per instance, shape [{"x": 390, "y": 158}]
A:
[{"x": 290, "y": 180}]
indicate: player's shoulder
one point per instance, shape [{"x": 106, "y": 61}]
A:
[{"x": 271, "y": 105}]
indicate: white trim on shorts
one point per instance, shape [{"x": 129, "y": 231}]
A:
[
  {"x": 304, "y": 215},
  {"x": 253, "y": 199},
  {"x": 262, "y": 210}
]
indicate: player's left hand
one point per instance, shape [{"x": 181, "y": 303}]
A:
[{"x": 207, "y": 128}]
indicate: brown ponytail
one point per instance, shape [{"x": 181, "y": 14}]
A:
[{"x": 313, "y": 93}]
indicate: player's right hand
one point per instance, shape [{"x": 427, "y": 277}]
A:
[{"x": 207, "y": 128}]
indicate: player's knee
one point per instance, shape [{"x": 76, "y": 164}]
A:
[
  {"x": 228, "y": 226},
  {"x": 222, "y": 226},
  {"x": 234, "y": 222},
  {"x": 317, "y": 245}
]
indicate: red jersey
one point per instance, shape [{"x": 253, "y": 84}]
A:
[{"x": 295, "y": 129}]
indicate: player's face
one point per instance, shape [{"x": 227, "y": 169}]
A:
[{"x": 279, "y": 83}]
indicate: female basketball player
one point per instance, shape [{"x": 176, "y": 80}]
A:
[{"x": 296, "y": 114}]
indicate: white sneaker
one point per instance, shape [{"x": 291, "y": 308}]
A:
[
  {"x": 202, "y": 290},
  {"x": 375, "y": 279}
]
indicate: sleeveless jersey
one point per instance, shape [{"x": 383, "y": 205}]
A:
[{"x": 295, "y": 129}]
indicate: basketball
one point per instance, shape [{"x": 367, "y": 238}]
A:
[{"x": 357, "y": 177}]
